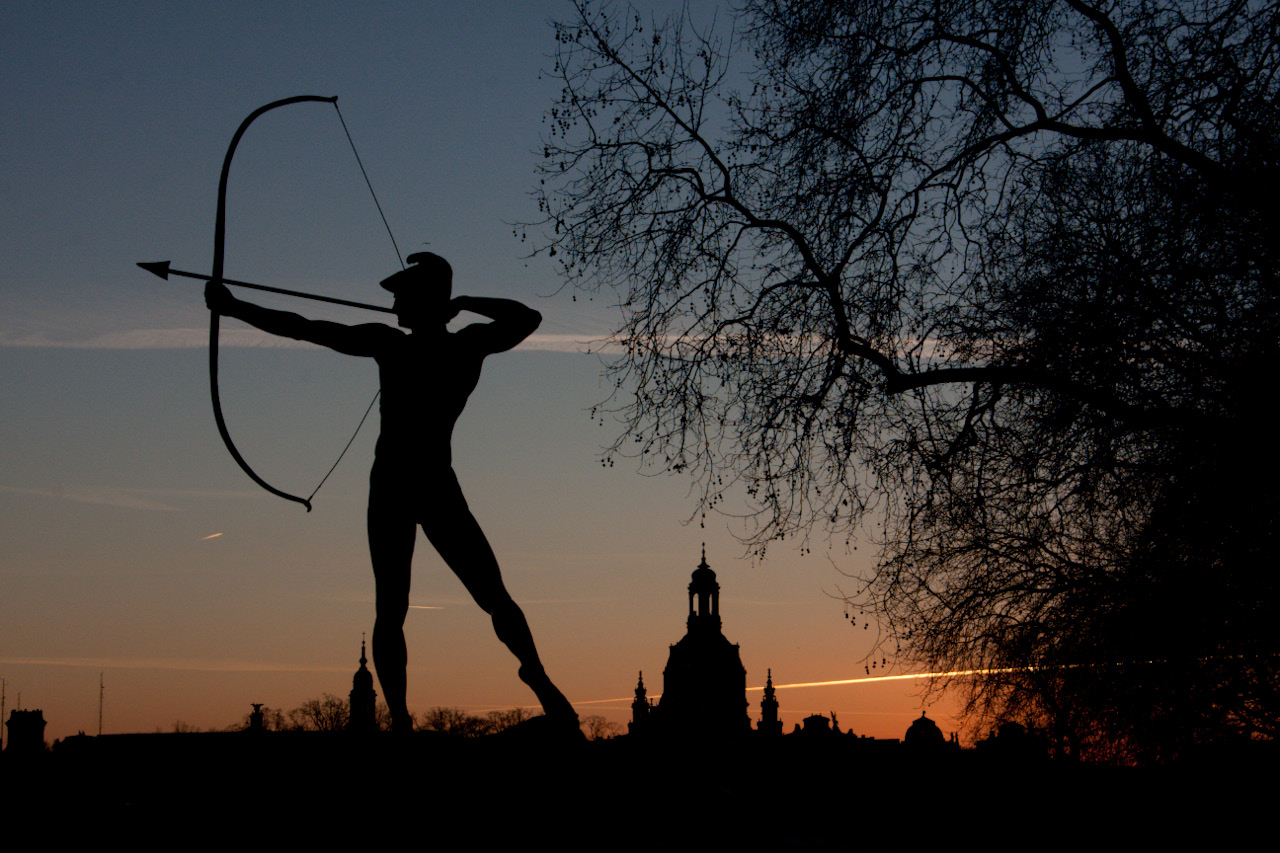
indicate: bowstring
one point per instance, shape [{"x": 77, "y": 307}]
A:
[
  {"x": 349, "y": 443},
  {"x": 368, "y": 183},
  {"x": 399, "y": 257}
]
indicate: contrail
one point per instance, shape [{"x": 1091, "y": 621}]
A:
[
  {"x": 875, "y": 678},
  {"x": 868, "y": 680},
  {"x": 210, "y": 536}
]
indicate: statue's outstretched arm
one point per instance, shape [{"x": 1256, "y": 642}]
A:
[{"x": 362, "y": 340}]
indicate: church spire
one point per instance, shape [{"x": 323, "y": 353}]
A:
[
  {"x": 362, "y": 701},
  {"x": 640, "y": 709},
  {"x": 769, "y": 722}
]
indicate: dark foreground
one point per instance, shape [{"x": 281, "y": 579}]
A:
[{"x": 489, "y": 793}]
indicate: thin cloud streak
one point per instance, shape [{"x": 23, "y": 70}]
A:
[
  {"x": 142, "y": 339},
  {"x": 126, "y": 498},
  {"x": 581, "y": 344},
  {"x": 172, "y": 664},
  {"x": 163, "y": 339},
  {"x": 103, "y": 495},
  {"x": 529, "y": 603},
  {"x": 536, "y": 601}
]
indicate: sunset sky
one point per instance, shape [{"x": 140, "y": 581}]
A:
[{"x": 131, "y": 545}]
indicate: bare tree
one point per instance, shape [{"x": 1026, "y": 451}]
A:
[
  {"x": 326, "y": 714},
  {"x": 459, "y": 723},
  {"x": 453, "y": 721},
  {"x": 599, "y": 728},
  {"x": 499, "y": 721},
  {"x": 1000, "y": 278},
  {"x": 382, "y": 717}
]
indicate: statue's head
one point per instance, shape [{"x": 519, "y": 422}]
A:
[{"x": 422, "y": 290}]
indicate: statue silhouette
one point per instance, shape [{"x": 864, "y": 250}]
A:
[{"x": 427, "y": 376}]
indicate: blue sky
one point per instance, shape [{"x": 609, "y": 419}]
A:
[{"x": 116, "y": 118}]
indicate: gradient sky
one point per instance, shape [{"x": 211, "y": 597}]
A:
[{"x": 116, "y": 118}]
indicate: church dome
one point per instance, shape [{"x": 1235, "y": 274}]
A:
[{"x": 924, "y": 732}]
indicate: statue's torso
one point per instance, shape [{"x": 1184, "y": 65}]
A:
[{"x": 426, "y": 380}]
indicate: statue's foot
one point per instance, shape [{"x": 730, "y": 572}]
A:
[
  {"x": 554, "y": 703},
  {"x": 547, "y": 729},
  {"x": 402, "y": 724}
]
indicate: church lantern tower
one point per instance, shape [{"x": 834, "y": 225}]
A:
[{"x": 704, "y": 599}]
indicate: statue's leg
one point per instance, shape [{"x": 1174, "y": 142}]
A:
[
  {"x": 457, "y": 536},
  {"x": 391, "y": 536}
]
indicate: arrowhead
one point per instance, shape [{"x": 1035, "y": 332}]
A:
[{"x": 160, "y": 268}]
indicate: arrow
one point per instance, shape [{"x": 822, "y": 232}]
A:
[{"x": 161, "y": 269}]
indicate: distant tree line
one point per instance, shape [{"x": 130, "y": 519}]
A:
[{"x": 329, "y": 713}]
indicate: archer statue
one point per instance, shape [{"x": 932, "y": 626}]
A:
[{"x": 427, "y": 374}]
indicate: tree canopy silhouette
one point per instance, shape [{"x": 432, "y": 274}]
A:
[{"x": 999, "y": 278}]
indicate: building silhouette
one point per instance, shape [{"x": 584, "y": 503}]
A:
[
  {"x": 769, "y": 724},
  {"x": 362, "y": 713},
  {"x": 26, "y": 732},
  {"x": 641, "y": 710},
  {"x": 704, "y": 691},
  {"x": 924, "y": 734},
  {"x": 704, "y": 694},
  {"x": 817, "y": 725}
]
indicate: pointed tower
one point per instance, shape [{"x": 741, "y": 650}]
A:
[
  {"x": 705, "y": 684},
  {"x": 362, "y": 715},
  {"x": 769, "y": 723},
  {"x": 640, "y": 709}
]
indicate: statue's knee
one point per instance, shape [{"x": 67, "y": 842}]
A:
[
  {"x": 504, "y": 609},
  {"x": 391, "y": 612}
]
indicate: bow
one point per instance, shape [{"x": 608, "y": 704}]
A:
[{"x": 219, "y": 241}]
